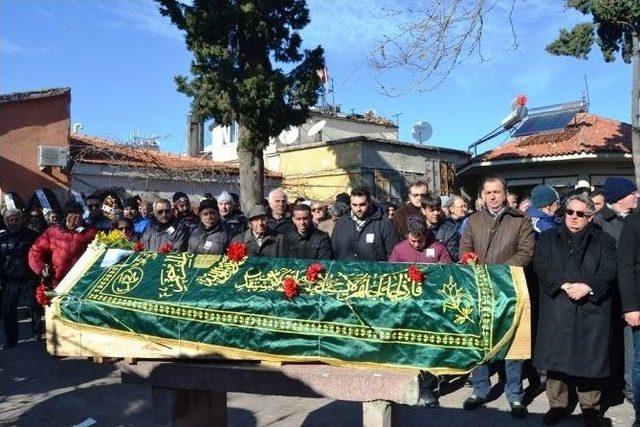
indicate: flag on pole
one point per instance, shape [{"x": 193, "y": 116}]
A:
[{"x": 323, "y": 74}]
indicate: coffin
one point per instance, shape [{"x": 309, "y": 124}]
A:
[{"x": 146, "y": 305}]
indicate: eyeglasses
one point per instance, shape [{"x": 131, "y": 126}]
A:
[
  {"x": 579, "y": 214},
  {"x": 163, "y": 211}
]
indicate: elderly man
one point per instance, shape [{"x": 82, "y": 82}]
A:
[
  {"x": 232, "y": 221},
  {"x": 449, "y": 229},
  {"x": 209, "y": 237},
  {"x": 576, "y": 267},
  {"x": 318, "y": 212},
  {"x": 545, "y": 202},
  {"x": 165, "y": 229},
  {"x": 336, "y": 211},
  {"x": 60, "y": 247},
  {"x": 17, "y": 278},
  {"x": 498, "y": 234},
  {"x": 259, "y": 239},
  {"x": 280, "y": 220},
  {"x": 365, "y": 235},
  {"x": 306, "y": 241},
  {"x": 418, "y": 190}
]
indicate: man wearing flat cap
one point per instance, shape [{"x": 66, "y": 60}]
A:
[{"x": 260, "y": 241}]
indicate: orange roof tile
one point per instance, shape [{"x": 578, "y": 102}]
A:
[
  {"x": 97, "y": 150},
  {"x": 587, "y": 133}
]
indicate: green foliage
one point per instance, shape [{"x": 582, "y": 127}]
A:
[
  {"x": 613, "y": 22},
  {"x": 235, "y": 44}
]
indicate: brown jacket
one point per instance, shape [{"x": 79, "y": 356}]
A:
[
  {"x": 403, "y": 214},
  {"x": 509, "y": 239}
]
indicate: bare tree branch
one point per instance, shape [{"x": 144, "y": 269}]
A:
[{"x": 436, "y": 40}]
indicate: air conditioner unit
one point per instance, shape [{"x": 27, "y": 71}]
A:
[{"x": 53, "y": 156}]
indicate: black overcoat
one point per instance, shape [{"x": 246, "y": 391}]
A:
[{"x": 573, "y": 336}]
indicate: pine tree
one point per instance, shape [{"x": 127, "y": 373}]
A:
[
  {"x": 615, "y": 27},
  {"x": 238, "y": 47}
]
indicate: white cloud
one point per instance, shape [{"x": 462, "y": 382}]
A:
[{"x": 9, "y": 47}]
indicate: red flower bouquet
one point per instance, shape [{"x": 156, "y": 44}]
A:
[
  {"x": 314, "y": 271},
  {"x": 290, "y": 287},
  {"x": 470, "y": 258},
  {"x": 165, "y": 248},
  {"x": 41, "y": 296},
  {"x": 415, "y": 274},
  {"x": 237, "y": 251},
  {"x": 138, "y": 246}
]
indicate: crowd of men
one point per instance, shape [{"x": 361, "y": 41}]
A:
[{"x": 581, "y": 253}]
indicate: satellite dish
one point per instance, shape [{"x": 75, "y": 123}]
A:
[
  {"x": 422, "y": 131},
  {"x": 316, "y": 128},
  {"x": 289, "y": 136}
]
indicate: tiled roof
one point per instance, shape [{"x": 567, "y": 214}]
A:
[
  {"x": 586, "y": 134},
  {"x": 34, "y": 94},
  {"x": 96, "y": 150}
]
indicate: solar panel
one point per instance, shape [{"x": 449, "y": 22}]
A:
[{"x": 545, "y": 122}]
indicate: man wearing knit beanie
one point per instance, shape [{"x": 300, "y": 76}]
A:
[
  {"x": 544, "y": 204},
  {"x": 183, "y": 212},
  {"x": 130, "y": 212},
  {"x": 620, "y": 195},
  {"x": 233, "y": 222}
]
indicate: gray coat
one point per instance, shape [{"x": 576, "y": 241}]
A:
[
  {"x": 156, "y": 235},
  {"x": 212, "y": 241},
  {"x": 610, "y": 222}
]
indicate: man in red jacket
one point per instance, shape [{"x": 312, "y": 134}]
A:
[{"x": 59, "y": 247}]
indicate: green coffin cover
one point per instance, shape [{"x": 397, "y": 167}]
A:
[{"x": 356, "y": 314}]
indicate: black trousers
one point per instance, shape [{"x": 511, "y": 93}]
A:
[{"x": 11, "y": 292}]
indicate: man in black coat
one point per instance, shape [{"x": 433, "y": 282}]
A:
[
  {"x": 629, "y": 284},
  {"x": 279, "y": 220},
  {"x": 209, "y": 237},
  {"x": 260, "y": 241},
  {"x": 306, "y": 241},
  {"x": 17, "y": 278},
  {"x": 576, "y": 267},
  {"x": 364, "y": 235}
]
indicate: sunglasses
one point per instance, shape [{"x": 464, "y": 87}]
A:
[
  {"x": 579, "y": 214},
  {"x": 317, "y": 210}
]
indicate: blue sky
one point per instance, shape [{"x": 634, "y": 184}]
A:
[{"x": 120, "y": 56}]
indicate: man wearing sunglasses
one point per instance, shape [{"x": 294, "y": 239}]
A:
[
  {"x": 165, "y": 229},
  {"x": 95, "y": 216},
  {"x": 576, "y": 268},
  {"x": 498, "y": 234},
  {"x": 418, "y": 191}
]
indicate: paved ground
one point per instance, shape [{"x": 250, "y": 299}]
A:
[{"x": 39, "y": 390}]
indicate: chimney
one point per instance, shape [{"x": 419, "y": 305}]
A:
[{"x": 195, "y": 142}]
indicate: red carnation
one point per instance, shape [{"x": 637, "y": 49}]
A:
[
  {"x": 237, "y": 251},
  {"x": 138, "y": 246},
  {"x": 290, "y": 287},
  {"x": 314, "y": 271},
  {"x": 165, "y": 248},
  {"x": 415, "y": 274},
  {"x": 41, "y": 296},
  {"x": 470, "y": 258}
]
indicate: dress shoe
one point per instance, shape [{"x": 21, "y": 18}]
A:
[
  {"x": 474, "y": 402},
  {"x": 591, "y": 418},
  {"x": 553, "y": 416},
  {"x": 518, "y": 410},
  {"x": 428, "y": 399}
]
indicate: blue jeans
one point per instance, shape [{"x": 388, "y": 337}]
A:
[
  {"x": 635, "y": 373},
  {"x": 513, "y": 387}
]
